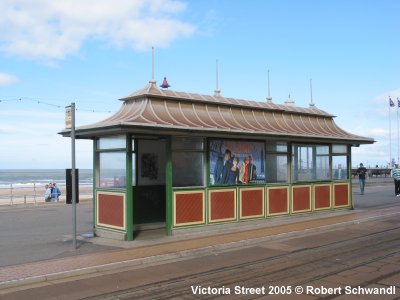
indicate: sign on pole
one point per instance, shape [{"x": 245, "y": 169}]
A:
[{"x": 68, "y": 117}]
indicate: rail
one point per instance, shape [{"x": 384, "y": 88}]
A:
[
  {"x": 381, "y": 172},
  {"x": 33, "y": 193}
]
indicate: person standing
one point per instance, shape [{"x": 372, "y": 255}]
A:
[
  {"x": 244, "y": 171},
  {"x": 252, "y": 170},
  {"x": 361, "y": 171},
  {"x": 233, "y": 172},
  {"x": 55, "y": 193},
  {"x": 47, "y": 193},
  {"x": 396, "y": 176},
  {"x": 222, "y": 168}
]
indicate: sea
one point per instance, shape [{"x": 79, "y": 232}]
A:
[{"x": 28, "y": 177}]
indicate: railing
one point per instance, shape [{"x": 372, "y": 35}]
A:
[
  {"x": 381, "y": 172},
  {"x": 33, "y": 193}
]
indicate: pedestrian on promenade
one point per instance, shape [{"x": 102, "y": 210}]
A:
[
  {"x": 361, "y": 171},
  {"x": 55, "y": 193},
  {"x": 47, "y": 193},
  {"x": 395, "y": 173}
]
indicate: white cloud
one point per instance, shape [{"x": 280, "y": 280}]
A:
[
  {"x": 50, "y": 30},
  {"x": 6, "y": 79}
]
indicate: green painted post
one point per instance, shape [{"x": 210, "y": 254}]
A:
[
  {"x": 349, "y": 172},
  {"x": 129, "y": 189},
  {"x": 95, "y": 157},
  {"x": 168, "y": 186}
]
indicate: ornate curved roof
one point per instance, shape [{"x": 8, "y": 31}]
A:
[{"x": 151, "y": 108}]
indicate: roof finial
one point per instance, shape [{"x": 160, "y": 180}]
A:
[
  {"x": 152, "y": 81},
  {"x": 217, "y": 91},
  {"x": 289, "y": 101},
  {"x": 165, "y": 84},
  {"x": 269, "y": 98},
  {"x": 311, "y": 101}
]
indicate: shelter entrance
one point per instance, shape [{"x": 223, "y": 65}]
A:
[{"x": 149, "y": 194}]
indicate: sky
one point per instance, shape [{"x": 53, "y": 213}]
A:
[{"x": 95, "y": 52}]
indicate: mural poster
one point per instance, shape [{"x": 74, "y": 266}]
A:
[{"x": 236, "y": 162}]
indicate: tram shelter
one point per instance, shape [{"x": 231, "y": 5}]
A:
[{"x": 183, "y": 160}]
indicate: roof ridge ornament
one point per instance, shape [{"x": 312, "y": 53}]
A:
[
  {"x": 289, "y": 101},
  {"x": 217, "y": 91},
  {"x": 152, "y": 81},
  {"x": 269, "y": 98},
  {"x": 312, "y": 105},
  {"x": 165, "y": 84}
]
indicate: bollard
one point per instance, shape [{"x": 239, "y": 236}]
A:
[{"x": 34, "y": 193}]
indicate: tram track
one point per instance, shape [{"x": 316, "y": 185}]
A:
[{"x": 300, "y": 267}]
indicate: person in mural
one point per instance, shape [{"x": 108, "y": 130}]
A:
[
  {"x": 233, "y": 175},
  {"x": 222, "y": 168},
  {"x": 244, "y": 171},
  {"x": 252, "y": 170}
]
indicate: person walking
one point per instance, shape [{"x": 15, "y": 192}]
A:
[
  {"x": 395, "y": 173},
  {"x": 361, "y": 172}
]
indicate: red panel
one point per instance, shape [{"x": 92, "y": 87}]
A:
[
  {"x": 111, "y": 209},
  {"x": 277, "y": 199},
  {"x": 252, "y": 203},
  {"x": 301, "y": 198},
  {"x": 189, "y": 207},
  {"x": 222, "y": 205},
  {"x": 341, "y": 194},
  {"x": 322, "y": 196}
]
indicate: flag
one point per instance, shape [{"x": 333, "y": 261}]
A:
[{"x": 391, "y": 103}]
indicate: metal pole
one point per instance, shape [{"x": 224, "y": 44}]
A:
[
  {"x": 390, "y": 136},
  {"x": 398, "y": 141},
  {"x": 11, "y": 196},
  {"x": 34, "y": 193},
  {"x": 73, "y": 175}
]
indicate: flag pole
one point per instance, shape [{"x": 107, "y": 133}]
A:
[
  {"x": 391, "y": 104},
  {"x": 398, "y": 142}
]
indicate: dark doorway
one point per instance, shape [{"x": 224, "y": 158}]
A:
[{"x": 149, "y": 206}]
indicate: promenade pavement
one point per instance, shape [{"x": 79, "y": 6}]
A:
[{"x": 379, "y": 203}]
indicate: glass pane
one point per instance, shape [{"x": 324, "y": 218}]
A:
[
  {"x": 277, "y": 147},
  {"x": 133, "y": 169},
  {"x": 339, "y": 149},
  {"x": 321, "y": 150},
  {"x": 187, "y": 169},
  {"x": 277, "y": 168},
  {"x": 322, "y": 168},
  {"x": 111, "y": 142},
  {"x": 303, "y": 169},
  {"x": 233, "y": 162},
  {"x": 151, "y": 162},
  {"x": 113, "y": 169},
  {"x": 339, "y": 169},
  {"x": 187, "y": 143}
]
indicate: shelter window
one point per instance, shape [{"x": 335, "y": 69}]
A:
[
  {"x": 111, "y": 161},
  {"x": 339, "y": 162},
  {"x": 112, "y": 169},
  {"x": 310, "y": 162},
  {"x": 187, "y": 161},
  {"x": 111, "y": 142},
  {"x": 276, "y": 162}
]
